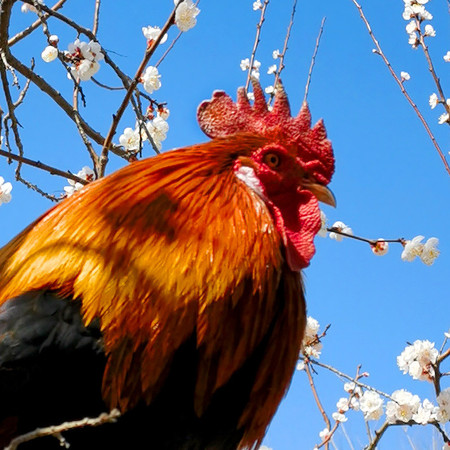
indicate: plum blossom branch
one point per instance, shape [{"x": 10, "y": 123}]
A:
[
  {"x": 400, "y": 83},
  {"x": 56, "y": 430},
  {"x": 19, "y": 36},
  {"x": 51, "y": 170},
  {"x": 282, "y": 55},
  {"x": 149, "y": 52},
  {"x": 256, "y": 43}
]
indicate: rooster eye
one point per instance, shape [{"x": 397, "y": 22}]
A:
[{"x": 272, "y": 160}]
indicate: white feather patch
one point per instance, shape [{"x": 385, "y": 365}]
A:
[{"x": 248, "y": 176}]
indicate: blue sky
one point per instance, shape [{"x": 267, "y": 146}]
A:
[{"x": 389, "y": 181}]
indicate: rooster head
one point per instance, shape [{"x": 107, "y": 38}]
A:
[{"x": 290, "y": 171}]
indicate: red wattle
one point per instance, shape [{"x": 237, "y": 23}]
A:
[{"x": 297, "y": 217}]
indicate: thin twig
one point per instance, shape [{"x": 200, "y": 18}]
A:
[
  {"x": 54, "y": 430},
  {"x": 35, "y": 188},
  {"x": 369, "y": 241},
  {"x": 349, "y": 377},
  {"x": 401, "y": 86},
  {"x": 378, "y": 434},
  {"x": 313, "y": 60},
  {"x": 255, "y": 44},
  {"x": 19, "y": 36},
  {"x": 42, "y": 166},
  {"x": 316, "y": 395},
  {"x": 283, "y": 53},
  {"x": 96, "y": 17}
]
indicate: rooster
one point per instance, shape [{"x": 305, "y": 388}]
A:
[{"x": 170, "y": 290}]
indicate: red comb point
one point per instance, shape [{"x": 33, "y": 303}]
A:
[{"x": 221, "y": 117}]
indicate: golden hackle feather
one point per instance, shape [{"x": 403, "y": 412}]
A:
[{"x": 164, "y": 248}]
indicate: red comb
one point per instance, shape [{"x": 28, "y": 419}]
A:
[{"x": 221, "y": 117}]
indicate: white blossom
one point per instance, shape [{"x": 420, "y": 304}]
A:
[
  {"x": 403, "y": 406},
  {"x": 151, "y": 79},
  {"x": 429, "y": 251},
  {"x": 342, "y": 404},
  {"x": 157, "y": 129},
  {"x": 324, "y": 434},
  {"x": 443, "y": 118},
  {"x": 433, "y": 101},
  {"x": 338, "y": 417},
  {"x": 5, "y": 191},
  {"x": 340, "y": 226},
  {"x": 49, "y": 53},
  {"x": 447, "y": 57},
  {"x": 405, "y": 76},
  {"x": 411, "y": 27},
  {"x": 352, "y": 388},
  {"x": 311, "y": 346},
  {"x": 164, "y": 113},
  {"x": 412, "y": 248},
  {"x": 151, "y": 33},
  {"x": 269, "y": 89},
  {"x": 413, "y": 40},
  {"x": 429, "y": 31},
  {"x": 30, "y": 8},
  {"x": 86, "y": 173},
  {"x": 443, "y": 399},
  {"x": 426, "y": 412},
  {"x": 85, "y": 70},
  {"x": 53, "y": 39},
  {"x": 418, "y": 359},
  {"x": 323, "y": 225},
  {"x": 276, "y": 54},
  {"x": 272, "y": 69},
  {"x": 255, "y": 75},
  {"x": 131, "y": 139},
  {"x": 380, "y": 248},
  {"x": 257, "y": 5},
  {"x": 245, "y": 64},
  {"x": 185, "y": 15},
  {"x": 371, "y": 405},
  {"x": 250, "y": 95}
]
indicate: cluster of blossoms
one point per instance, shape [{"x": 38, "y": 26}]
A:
[
  {"x": 311, "y": 345},
  {"x": 427, "y": 252},
  {"x": 84, "y": 57},
  {"x": 418, "y": 360},
  {"x": 86, "y": 173},
  {"x": 5, "y": 191},
  {"x": 157, "y": 128},
  {"x": 416, "y": 14},
  {"x": 245, "y": 65},
  {"x": 185, "y": 15}
]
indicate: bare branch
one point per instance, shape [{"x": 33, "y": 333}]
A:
[
  {"x": 34, "y": 25},
  {"x": 42, "y": 166},
  {"x": 96, "y": 17},
  {"x": 283, "y": 53},
  {"x": 313, "y": 60},
  {"x": 55, "y": 430}
]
